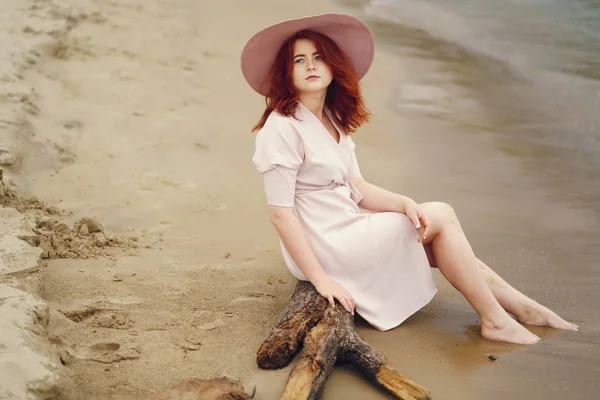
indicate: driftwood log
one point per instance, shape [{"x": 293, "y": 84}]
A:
[{"x": 327, "y": 336}]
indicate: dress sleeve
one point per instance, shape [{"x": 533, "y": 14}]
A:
[
  {"x": 354, "y": 170},
  {"x": 278, "y": 156}
]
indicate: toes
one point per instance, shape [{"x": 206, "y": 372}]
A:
[
  {"x": 529, "y": 340},
  {"x": 557, "y": 322},
  {"x": 542, "y": 316},
  {"x": 571, "y": 327},
  {"x": 535, "y": 339}
]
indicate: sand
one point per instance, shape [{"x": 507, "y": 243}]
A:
[{"x": 147, "y": 118}]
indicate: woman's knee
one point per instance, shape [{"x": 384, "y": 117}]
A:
[{"x": 441, "y": 212}]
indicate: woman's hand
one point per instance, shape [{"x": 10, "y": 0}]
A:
[
  {"x": 331, "y": 290},
  {"x": 419, "y": 219}
]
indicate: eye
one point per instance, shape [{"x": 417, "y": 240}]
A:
[
  {"x": 298, "y": 61},
  {"x": 317, "y": 57}
]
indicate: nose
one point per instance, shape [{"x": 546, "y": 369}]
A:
[{"x": 310, "y": 66}]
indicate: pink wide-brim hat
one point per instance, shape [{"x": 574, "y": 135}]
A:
[{"x": 351, "y": 34}]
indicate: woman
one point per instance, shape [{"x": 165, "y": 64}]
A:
[{"x": 366, "y": 247}]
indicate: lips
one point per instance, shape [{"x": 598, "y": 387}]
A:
[{"x": 312, "y": 77}]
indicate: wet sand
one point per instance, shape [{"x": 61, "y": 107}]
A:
[{"x": 159, "y": 124}]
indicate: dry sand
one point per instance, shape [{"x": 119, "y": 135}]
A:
[{"x": 151, "y": 116}]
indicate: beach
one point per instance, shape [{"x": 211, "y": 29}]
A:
[{"x": 138, "y": 116}]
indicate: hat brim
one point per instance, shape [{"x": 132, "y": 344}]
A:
[{"x": 351, "y": 34}]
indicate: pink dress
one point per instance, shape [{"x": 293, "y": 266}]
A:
[{"x": 373, "y": 255}]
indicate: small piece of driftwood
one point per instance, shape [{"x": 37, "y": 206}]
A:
[{"x": 327, "y": 336}]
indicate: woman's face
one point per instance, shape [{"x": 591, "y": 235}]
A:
[{"x": 310, "y": 73}]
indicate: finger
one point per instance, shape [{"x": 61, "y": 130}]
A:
[
  {"x": 352, "y": 304},
  {"x": 422, "y": 233},
  {"x": 348, "y": 306},
  {"x": 420, "y": 217},
  {"x": 331, "y": 301},
  {"x": 412, "y": 215},
  {"x": 350, "y": 300},
  {"x": 342, "y": 300},
  {"x": 426, "y": 228}
]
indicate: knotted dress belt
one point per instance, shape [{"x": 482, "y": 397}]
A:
[{"x": 354, "y": 193}]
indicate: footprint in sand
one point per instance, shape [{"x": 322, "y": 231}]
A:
[
  {"x": 104, "y": 347},
  {"x": 274, "y": 279},
  {"x": 100, "y": 317},
  {"x": 209, "y": 326},
  {"x": 209, "y": 320},
  {"x": 110, "y": 352},
  {"x": 120, "y": 276},
  {"x": 80, "y": 314}
]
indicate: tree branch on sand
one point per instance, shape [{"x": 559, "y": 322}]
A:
[{"x": 327, "y": 336}]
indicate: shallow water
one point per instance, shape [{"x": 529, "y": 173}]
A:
[
  {"x": 502, "y": 98},
  {"x": 526, "y": 72}
]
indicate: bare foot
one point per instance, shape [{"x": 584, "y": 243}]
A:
[
  {"x": 536, "y": 314},
  {"x": 508, "y": 330}
]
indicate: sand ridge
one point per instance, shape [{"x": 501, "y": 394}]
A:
[{"x": 86, "y": 239}]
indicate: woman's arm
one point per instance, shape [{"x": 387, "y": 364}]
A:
[
  {"x": 292, "y": 235},
  {"x": 378, "y": 199},
  {"x": 381, "y": 200}
]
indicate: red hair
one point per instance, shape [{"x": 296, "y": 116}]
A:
[{"x": 343, "y": 94}]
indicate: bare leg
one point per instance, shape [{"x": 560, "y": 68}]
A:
[
  {"x": 522, "y": 307},
  {"x": 458, "y": 264},
  {"x": 525, "y": 309}
]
